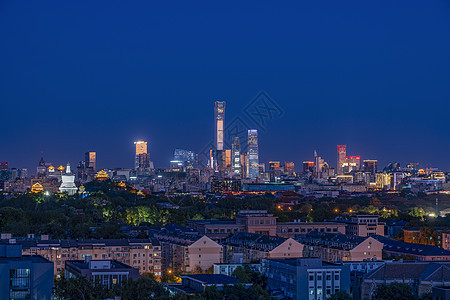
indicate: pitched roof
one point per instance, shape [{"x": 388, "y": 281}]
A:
[
  {"x": 330, "y": 240},
  {"x": 410, "y": 248},
  {"x": 256, "y": 241},
  {"x": 404, "y": 270}
]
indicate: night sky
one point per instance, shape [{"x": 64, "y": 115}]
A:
[{"x": 98, "y": 75}]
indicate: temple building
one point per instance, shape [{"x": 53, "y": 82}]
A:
[{"x": 67, "y": 182}]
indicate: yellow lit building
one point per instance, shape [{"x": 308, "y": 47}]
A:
[
  {"x": 37, "y": 188},
  {"x": 101, "y": 175}
]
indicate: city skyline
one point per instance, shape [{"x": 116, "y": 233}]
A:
[{"x": 376, "y": 82}]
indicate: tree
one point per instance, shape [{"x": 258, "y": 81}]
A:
[
  {"x": 340, "y": 295},
  {"x": 394, "y": 291}
]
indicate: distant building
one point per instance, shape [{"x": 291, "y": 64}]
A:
[
  {"x": 219, "y": 135},
  {"x": 228, "y": 269},
  {"x": 341, "y": 154},
  {"x": 364, "y": 225},
  {"x": 308, "y": 167},
  {"x": 371, "y": 166},
  {"x": 291, "y": 229},
  {"x": 106, "y": 273},
  {"x": 253, "y": 156},
  {"x": 142, "y": 163},
  {"x": 289, "y": 168},
  {"x": 90, "y": 159},
  {"x": 305, "y": 278},
  {"x": 236, "y": 156},
  {"x": 351, "y": 164},
  {"x": 24, "y": 277},
  {"x": 68, "y": 182}
]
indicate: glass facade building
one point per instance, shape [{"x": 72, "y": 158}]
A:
[{"x": 253, "y": 158}]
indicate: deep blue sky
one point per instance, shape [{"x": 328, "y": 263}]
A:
[{"x": 81, "y": 75}]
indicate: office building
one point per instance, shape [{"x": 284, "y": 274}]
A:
[
  {"x": 185, "y": 157},
  {"x": 90, "y": 159},
  {"x": 289, "y": 168},
  {"x": 23, "y": 276},
  {"x": 253, "y": 158},
  {"x": 370, "y": 166},
  {"x": 106, "y": 273},
  {"x": 219, "y": 129},
  {"x": 319, "y": 163},
  {"x": 141, "y": 148},
  {"x": 308, "y": 167},
  {"x": 305, "y": 278},
  {"x": 351, "y": 164},
  {"x": 341, "y": 154},
  {"x": 236, "y": 156}
]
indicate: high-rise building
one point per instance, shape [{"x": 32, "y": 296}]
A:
[
  {"x": 370, "y": 166},
  {"x": 253, "y": 158},
  {"x": 41, "y": 169},
  {"x": 274, "y": 171},
  {"x": 319, "y": 162},
  {"x": 289, "y": 168},
  {"x": 341, "y": 154},
  {"x": 227, "y": 158},
  {"x": 142, "y": 163},
  {"x": 141, "y": 148},
  {"x": 351, "y": 164},
  {"x": 274, "y": 165},
  {"x": 219, "y": 120},
  {"x": 236, "y": 156},
  {"x": 308, "y": 167},
  {"x": 90, "y": 159}
]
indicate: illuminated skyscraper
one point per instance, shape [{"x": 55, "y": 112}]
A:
[
  {"x": 219, "y": 120},
  {"x": 289, "y": 168},
  {"x": 319, "y": 162},
  {"x": 90, "y": 159},
  {"x": 253, "y": 159},
  {"x": 236, "y": 156},
  {"x": 308, "y": 167},
  {"x": 341, "y": 154},
  {"x": 351, "y": 164},
  {"x": 370, "y": 166},
  {"x": 142, "y": 163}
]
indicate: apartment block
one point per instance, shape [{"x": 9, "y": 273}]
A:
[
  {"x": 142, "y": 254},
  {"x": 246, "y": 247},
  {"x": 333, "y": 247},
  {"x": 183, "y": 252}
]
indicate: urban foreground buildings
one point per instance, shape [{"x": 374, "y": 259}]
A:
[{"x": 24, "y": 276}]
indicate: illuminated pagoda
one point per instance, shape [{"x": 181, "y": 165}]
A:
[
  {"x": 61, "y": 170},
  {"x": 37, "y": 188},
  {"x": 122, "y": 185},
  {"x": 67, "y": 182},
  {"x": 101, "y": 175}
]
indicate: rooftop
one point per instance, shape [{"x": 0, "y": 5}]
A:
[{"x": 212, "y": 278}]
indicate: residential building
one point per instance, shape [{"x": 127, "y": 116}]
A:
[
  {"x": 418, "y": 251},
  {"x": 291, "y": 229},
  {"x": 188, "y": 252},
  {"x": 24, "y": 276},
  {"x": 305, "y": 278},
  {"x": 244, "y": 247},
  {"x": 333, "y": 247},
  {"x": 420, "y": 276},
  {"x": 437, "y": 236},
  {"x": 106, "y": 273},
  {"x": 142, "y": 254},
  {"x": 363, "y": 225}
]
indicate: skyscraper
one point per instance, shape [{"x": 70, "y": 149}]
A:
[
  {"x": 253, "y": 159},
  {"x": 236, "y": 156},
  {"x": 319, "y": 162},
  {"x": 289, "y": 168},
  {"x": 219, "y": 120},
  {"x": 90, "y": 159},
  {"x": 341, "y": 154},
  {"x": 142, "y": 163},
  {"x": 370, "y": 166}
]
